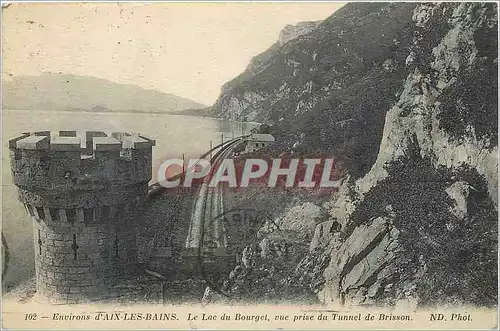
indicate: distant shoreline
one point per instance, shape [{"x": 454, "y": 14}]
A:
[
  {"x": 179, "y": 113},
  {"x": 88, "y": 111}
]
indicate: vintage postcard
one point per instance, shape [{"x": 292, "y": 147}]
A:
[{"x": 249, "y": 165}]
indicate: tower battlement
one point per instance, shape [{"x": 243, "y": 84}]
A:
[{"x": 64, "y": 161}]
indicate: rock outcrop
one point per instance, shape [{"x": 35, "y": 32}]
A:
[
  {"x": 278, "y": 267},
  {"x": 302, "y": 219},
  {"x": 291, "y": 32}
]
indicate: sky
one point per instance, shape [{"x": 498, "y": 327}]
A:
[{"x": 188, "y": 49}]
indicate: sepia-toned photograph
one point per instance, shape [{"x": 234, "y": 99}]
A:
[{"x": 249, "y": 165}]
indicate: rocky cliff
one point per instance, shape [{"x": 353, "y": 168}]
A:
[
  {"x": 333, "y": 84},
  {"x": 419, "y": 226}
]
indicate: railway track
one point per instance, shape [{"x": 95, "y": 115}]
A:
[{"x": 209, "y": 204}]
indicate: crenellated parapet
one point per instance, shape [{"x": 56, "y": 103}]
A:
[{"x": 64, "y": 161}]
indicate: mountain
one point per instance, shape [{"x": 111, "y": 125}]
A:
[
  {"x": 73, "y": 92},
  {"x": 334, "y": 84},
  {"x": 406, "y": 95}
]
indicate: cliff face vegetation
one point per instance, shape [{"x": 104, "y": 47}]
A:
[{"x": 415, "y": 88}]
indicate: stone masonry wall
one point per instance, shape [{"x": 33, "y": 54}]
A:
[
  {"x": 84, "y": 200},
  {"x": 79, "y": 259}
]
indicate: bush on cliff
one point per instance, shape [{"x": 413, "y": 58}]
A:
[{"x": 456, "y": 258}]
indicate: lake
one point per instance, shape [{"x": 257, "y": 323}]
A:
[{"x": 175, "y": 135}]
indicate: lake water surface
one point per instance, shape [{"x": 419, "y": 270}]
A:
[{"x": 175, "y": 135}]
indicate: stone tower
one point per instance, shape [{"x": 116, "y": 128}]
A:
[{"x": 84, "y": 197}]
